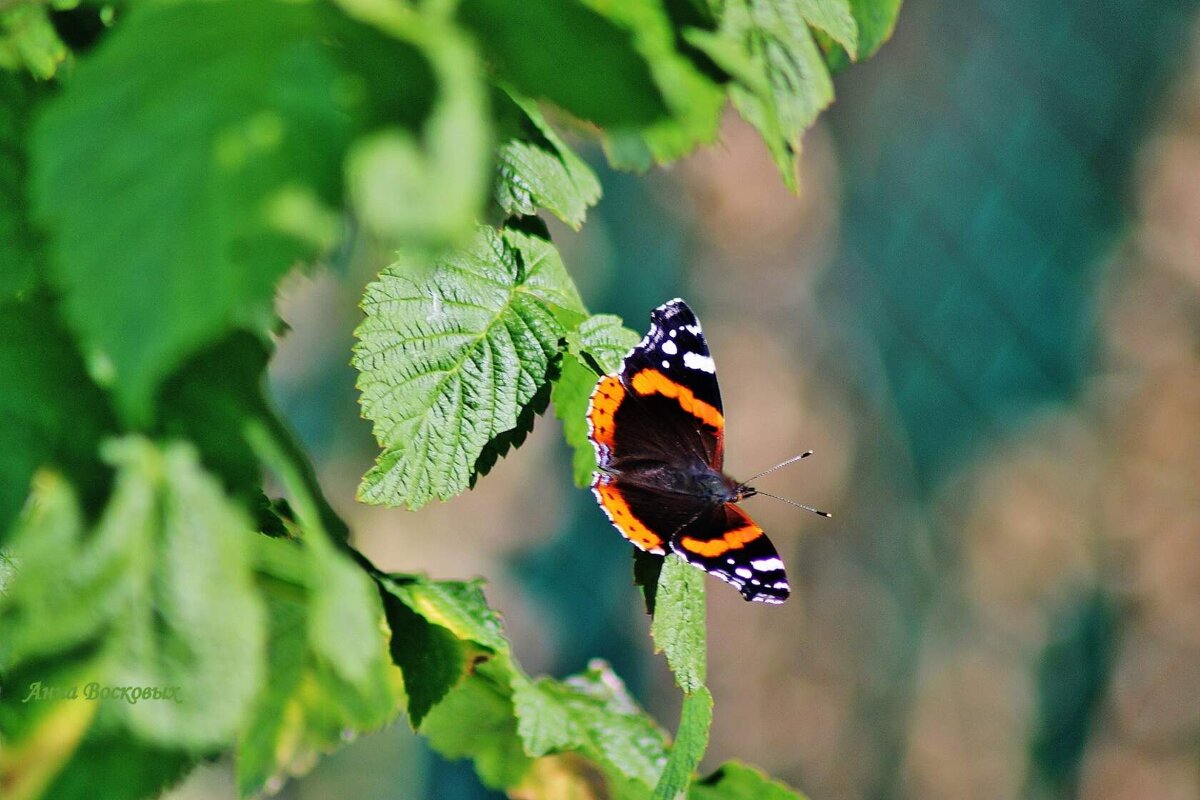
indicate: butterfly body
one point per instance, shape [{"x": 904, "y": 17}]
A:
[{"x": 658, "y": 429}]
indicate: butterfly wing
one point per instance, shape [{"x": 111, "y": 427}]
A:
[
  {"x": 726, "y": 543},
  {"x": 650, "y": 423},
  {"x": 664, "y": 401}
]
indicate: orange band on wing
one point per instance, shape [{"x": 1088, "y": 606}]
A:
[
  {"x": 618, "y": 511},
  {"x": 606, "y": 399},
  {"x": 651, "y": 381},
  {"x": 732, "y": 540}
]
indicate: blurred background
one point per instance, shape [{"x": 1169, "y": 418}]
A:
[{"x": 983, "y": 314}]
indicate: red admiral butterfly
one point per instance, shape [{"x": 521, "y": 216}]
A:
[{"x": 659, "y": 434}]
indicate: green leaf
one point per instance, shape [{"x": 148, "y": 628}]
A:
[
  {"x": 432, "y": 659},
  {"x": 51, "y": 550},
  {"x": 305, "y": 708},
  {"x": 560, "y": 51},
  {"x": 678, "y": 626},
  {"x": 195, "y": 621},
  {"x": 53, "y": 413},
  {"x": 693, "y": 98},
  {"x": 221, "y": 129},
  {"x": 542, "y": 720},
  {"x": 158, "y": 594},
  {"x": 835, "y": 18},
  {"x": 449, "y": 355},
  {"x": 21, "y": 256},
  {"x": 425, "y": 185},
  {"x": 536, "y": 169},
  {"x": 476, "y": 721},
  {"x": 269, "y": 740},
  {"x": 594, "y": 715},
  {"x": 603, "y": 340},
  {"x": 127, "y": 768},
  {"x": 28, "y": 38},
  {"x": 344, "y": 608},
  {"x": 458, "y": 606},
  {"x": 736, "y": 781},
  {"x": 781, "y": 80},
  {"x": 438, "y": 627},
  {"x": 876, "y": 19},
  {"x": 208, "y": 401},
  {"x": 691, "y": 741}
]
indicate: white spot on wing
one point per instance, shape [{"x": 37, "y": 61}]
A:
[
  {"x": 670, "y": 347},
  {"x": 743, "y": 572},
  {"x": 697, "y": 361},
  {"x": 767, "y": 564},
  {"x": 666, "y": 364}
]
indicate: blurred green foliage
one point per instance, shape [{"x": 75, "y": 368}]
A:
[{"x": 167, "y": 164}]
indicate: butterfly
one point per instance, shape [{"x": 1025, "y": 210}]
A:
[{"x": 658, "y": 429}]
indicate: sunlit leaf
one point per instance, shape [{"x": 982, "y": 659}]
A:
[
  {"x": 536, "y": 169},
  {"x": 601, "y": 340},
  {"x": 449, "y": 356},
  {"x": 690, "y": 743},
  {"x": 679, "y": 628}
]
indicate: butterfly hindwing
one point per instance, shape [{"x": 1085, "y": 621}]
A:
[
  {"x": 643, "y": 516},
  {"x": 728, "y": 544}
]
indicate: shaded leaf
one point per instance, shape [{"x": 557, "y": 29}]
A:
[
  {"x": 53, "y": 413},
  {"x": 432, "y": 658},
  {"x": 208, "y": 401},
  {"x": 647, "y": 567},
  {"x": 450, "y": 354},
  {"x": 693, "y": 99},
  {"x": 582, "y": 62},
  {"x": 21, "y": 256},
  {"x": 127, "y": 768},
  {"x": 425, "y": 184},
  {"x": 691, "y": 741},
  {"x": 678, "y": 626},
  {"x": 307, "y": 706},
  {"x": 476, "y": 721}
]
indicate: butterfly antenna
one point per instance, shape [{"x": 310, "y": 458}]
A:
[
  {"x": 780, "y": 465},
  {"x": 817, "y": 511}
]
